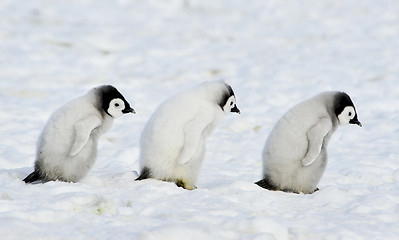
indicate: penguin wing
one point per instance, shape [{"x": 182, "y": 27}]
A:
[
  {"x": 192, "y": 135},
  {"x": 315, "y": 140},
  {"x": 83, "y": 129}
]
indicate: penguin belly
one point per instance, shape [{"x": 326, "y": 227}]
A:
[
  {"x": 285, "y": 147},
  {"x": 188, "y": 173},
  {"x": 54, "y": 166},
  {"x": 160, "y": 156},
  {"x": 284, "y": 169},
  {"x": 77, "y": 167},
  {"x": 55, "y": 163}
]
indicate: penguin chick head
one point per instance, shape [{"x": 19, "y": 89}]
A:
[
  {"x": 345, "y": 110},
  {"x": 228, "y": 100},
  {"x": 113, "y": 102}
]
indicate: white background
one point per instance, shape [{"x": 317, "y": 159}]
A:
[{"x": 273, "y": 53}]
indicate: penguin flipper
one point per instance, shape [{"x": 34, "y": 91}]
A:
[
  {"x": 83, "y": 129},
  {"x": 193, "y": 132},
  {"x": 33, "y": 177},
  {"x": 316, "y": 137},
  {"x": 144, "y": 174}
]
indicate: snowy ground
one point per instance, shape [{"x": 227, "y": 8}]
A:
[{"x": 274, "y": 54}]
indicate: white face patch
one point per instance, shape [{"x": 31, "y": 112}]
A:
[
  {"x": 346, "y": 115},
  {"x": 230, "y": 104},
  {"x": 115, "y": 107}
]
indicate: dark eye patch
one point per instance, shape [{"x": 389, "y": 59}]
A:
[{"x": 116, "y": 104}]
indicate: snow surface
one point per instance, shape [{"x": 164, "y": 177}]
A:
[{"x": 274, "y": 54}]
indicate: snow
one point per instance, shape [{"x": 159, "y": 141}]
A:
[{"x": 273, "y": 53}]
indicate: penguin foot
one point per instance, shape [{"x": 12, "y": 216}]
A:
[
  {"x": 144, "y": 174},
  {"x": 317, "y": 189},
  {"x": 182, "y": 184},
  {"x": 291, "y": 191},
  {"x": 33, "y": 177},
  {"x": 266, "y": 183}
]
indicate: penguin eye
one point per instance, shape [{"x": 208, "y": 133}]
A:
[
  {"x": 117, "y": 105},
  {"x": 350, "y": 114}
]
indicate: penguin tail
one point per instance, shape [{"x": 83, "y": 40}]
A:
[
  {"x": 145, "y": 173},
  {"x": 33, "y": 177},
  {"x": 267, "y": 184}
]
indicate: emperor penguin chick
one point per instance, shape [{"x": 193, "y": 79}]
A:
[
  {"x": 173, "y": 141},
  {"x": 67, "y": 146},
  {"x": 295, "y": 153}
]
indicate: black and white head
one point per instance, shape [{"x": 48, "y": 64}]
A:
[
  {"x": 113, "y": 102},
  {"x": 228, "y": 100},
  {"x": 345, "y": 110}
]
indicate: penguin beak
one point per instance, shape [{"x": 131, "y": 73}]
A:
[
  {"x": 235, "y": 109},
  {"x": 128, "y": 110},
  {"x": 355, "y": 121}
]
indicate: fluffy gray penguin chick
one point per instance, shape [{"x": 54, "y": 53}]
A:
[
  {"x": 295, "y": 153},
  {"x": 172, "y": 145},
  {"x": 67, "y": 146}
]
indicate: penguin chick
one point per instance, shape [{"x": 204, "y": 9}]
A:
[
  {"x": 67, "y": 146},
  {"x": 295, "y": 153},
  {"x": 173, "y": 141}
]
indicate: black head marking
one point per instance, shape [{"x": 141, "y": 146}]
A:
[
  {"x": 225, "y": 96},
  {"x": 342, "y": 100},
  {"x": 108, "y": 93},
  {"x": 227, "y": 93}
]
